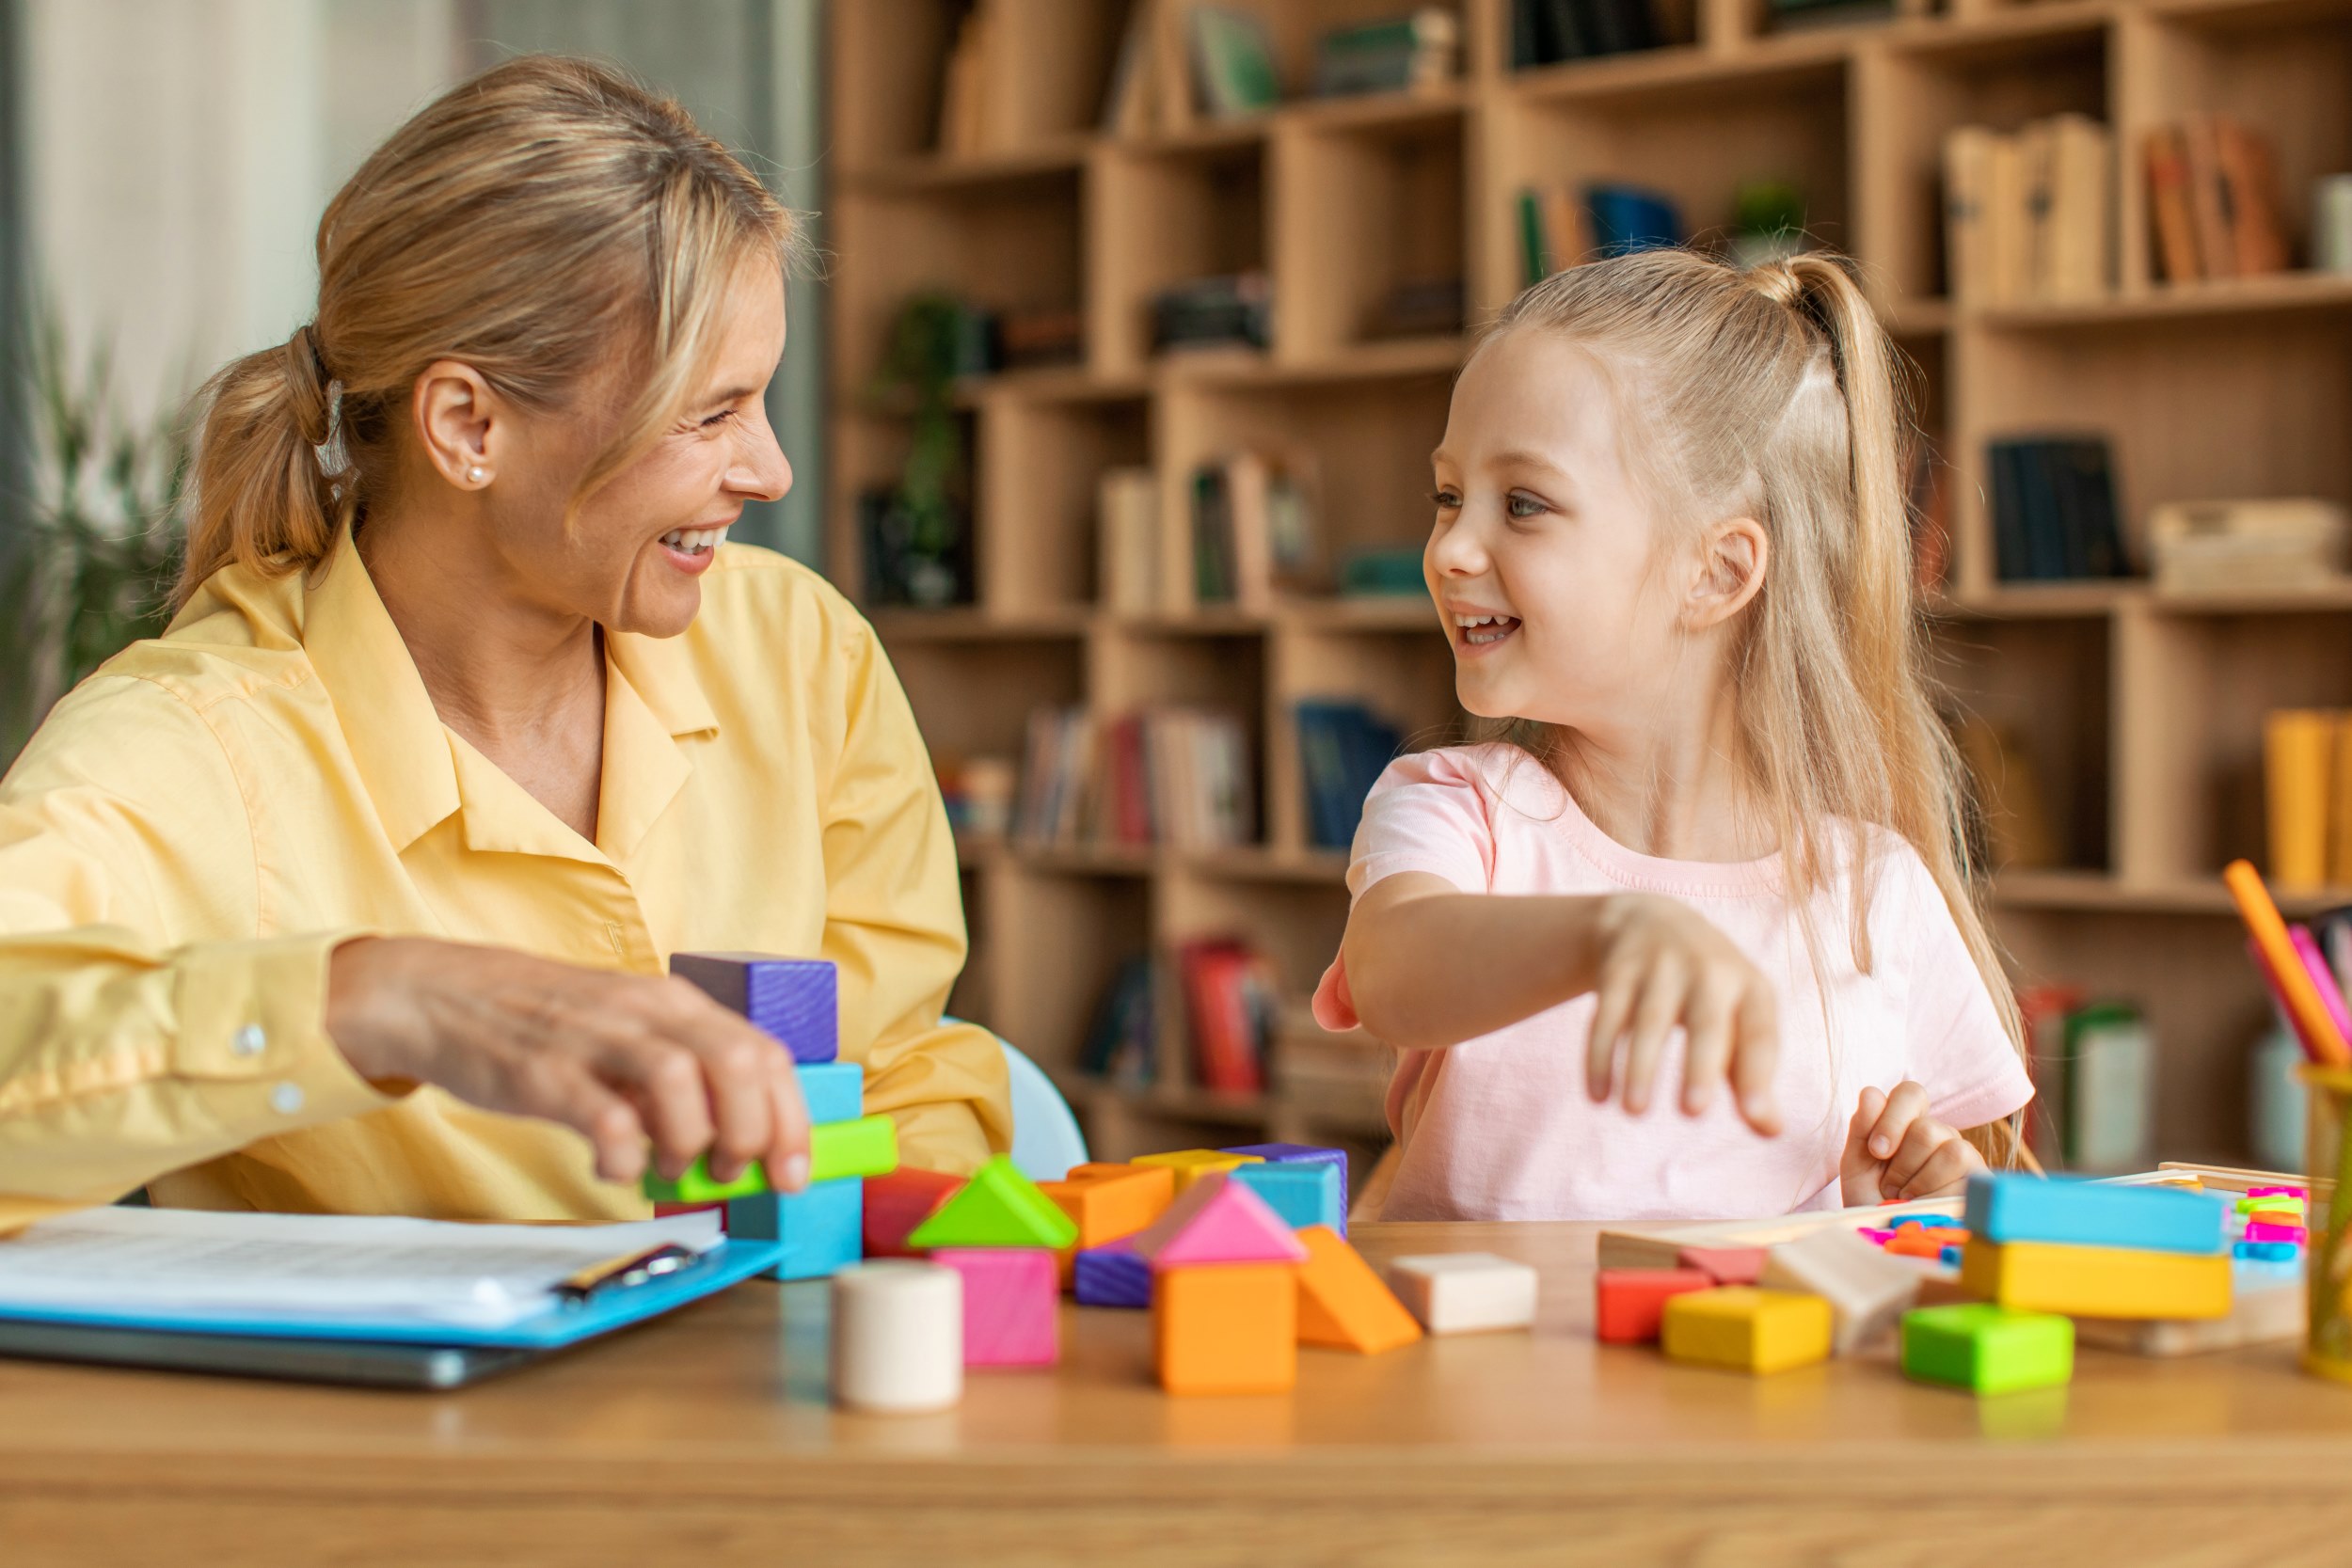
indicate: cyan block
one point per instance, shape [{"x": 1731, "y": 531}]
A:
[
  {"x": 1304, "y": 1193},
  {"x": 796, "y": 1000},
  {"x": 2089, "y": 1213},
  {"x": 2267, "y": 1251},
  {"x": 1298, "y": 1155},
  {"x": 835, "y": 1091},
  {"x": 824, "y": 1226}
]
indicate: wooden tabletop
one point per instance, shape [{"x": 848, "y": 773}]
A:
[{"x": 707, "y": 1438}]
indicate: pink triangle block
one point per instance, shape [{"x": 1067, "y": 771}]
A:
[{"x": 1218, "y": 1220}]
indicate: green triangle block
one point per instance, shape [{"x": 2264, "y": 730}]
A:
[{"x": 998, "y": 1207}]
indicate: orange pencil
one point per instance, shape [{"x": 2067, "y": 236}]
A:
[{"x": 2294, "y": 982}]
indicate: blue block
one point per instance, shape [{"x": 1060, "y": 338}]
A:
[
  {"x": 1111, "y": 1275},
  {"x": 1924, "y": 1222},
  {"x": 824, "y": 1226},
  {"x": 1305, "y": 1193},
  {"x": 2087, "y": 1213},
  {"x": 835, "y": 1091},
  {"x": 796, "y": 1000},
  {"x": 1297, "y": 1154},
  {"x": 2267, "y": 1251}
]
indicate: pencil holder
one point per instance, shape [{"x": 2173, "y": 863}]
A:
[{"x": 2327, "y": 1341}]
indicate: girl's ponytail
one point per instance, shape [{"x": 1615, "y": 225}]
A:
[{"x": 260, "y": 493}]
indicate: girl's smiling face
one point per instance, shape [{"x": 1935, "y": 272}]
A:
[{"x": 1543, "y": 559}]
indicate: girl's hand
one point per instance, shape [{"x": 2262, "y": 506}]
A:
[
  {"x": 622, "y": 1059},
  {"x": 1895, "y": 1149},
  {"x": 1662, "y": 964}
]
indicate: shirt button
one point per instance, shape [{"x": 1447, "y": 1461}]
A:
[
  {"x": 250, "y": 1041},
  {"x": 286, "y": 1098}
]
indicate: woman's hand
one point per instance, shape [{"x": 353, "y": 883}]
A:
[
  {"x": 1895, "y": 1149},
  {"x": 621, "y": 1059},
  {"x": 1662, "y": 964}
]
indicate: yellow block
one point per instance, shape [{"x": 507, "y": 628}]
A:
[
  {"x": 2097, "y": 1281},
  {"x": 1191, "y": 1165},
  {"x": 1748, "y": 1329}
]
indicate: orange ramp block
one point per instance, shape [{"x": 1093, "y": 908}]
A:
[{"x": 1343, "y": 1303}]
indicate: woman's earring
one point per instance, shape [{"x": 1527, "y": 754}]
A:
[{"x": 476, "y": 474}]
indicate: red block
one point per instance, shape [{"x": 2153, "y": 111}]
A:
[
  {"x": 897, "y": 1203},
  {"x": 1630, "y": 1304},
  {"x": 1726, "y": 1265}
]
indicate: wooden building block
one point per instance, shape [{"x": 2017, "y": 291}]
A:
[
  {"x": 1218, "y": 1221},
  {"x": 2263, "y": 1230},
  {"x": 1725, "y": 1265},
  {"x": 863, "y": 1147},
  {"x": 1868, "y": 1291},
  {"x": 825, "y": 1223},
  {"x": 1747, "y": 1328},
  {"x": 1915, "y": 1243},
  {"x": 1191, "y": 1165},
  {"x": 1630, "y": 1304},
  {"x": 1303, "y": 1193},
  {"x": 795, "y": 1000},
  {"x": 833, "y": 1091},
  {"x": 898, "y": 1337},
  {"x": 1105, "y": 1208},
  {"x": 694, "y": 1184},
  {"x": 997, "y": 1207},
  {"x": 1111, "y": 1275},
  {"x": 1012, "y": 1304},
  {"x": 1303, "y": 1154},
  {"x": 897, "y": 1203},
  {"x": 2097, "y": 1281},
  {"x": 2006, "y": 1208},
  {"x": 1343, "y": 1302},
  {"x": 1465, "y": 1292},
  {"x": 1226, "y": 1328},
  {"x": 1987, "y": 1349}
]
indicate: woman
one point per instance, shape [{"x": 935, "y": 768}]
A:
[{"x": 354, "y": 892}]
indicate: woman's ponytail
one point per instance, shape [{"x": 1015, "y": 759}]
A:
[{"x": 260, "y": 493}]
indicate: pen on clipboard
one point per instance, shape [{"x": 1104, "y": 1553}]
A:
[{"x": 620, "y": 1273}]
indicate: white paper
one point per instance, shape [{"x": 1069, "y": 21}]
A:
[{"x": 168, "y": 1262}]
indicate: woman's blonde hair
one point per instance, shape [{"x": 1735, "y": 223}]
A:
[
  {"x": 1772, "y": 392},
  {"x": 546, "y": 222}
]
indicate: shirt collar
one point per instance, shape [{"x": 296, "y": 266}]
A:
[{"x": 411, "y": 764}]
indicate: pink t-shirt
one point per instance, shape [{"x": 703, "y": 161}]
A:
[{"x": 1501, "y": 1128}]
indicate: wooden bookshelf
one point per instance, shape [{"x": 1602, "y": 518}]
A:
[{"x": 2139, "y": 713}]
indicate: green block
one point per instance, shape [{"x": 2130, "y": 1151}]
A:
[
  {"x": 1988, "y": 1349},
  {"x": 695, "y": 1185},
  {"x": 998, "y": 1207},
  {"x": 867, "y": 1146}
]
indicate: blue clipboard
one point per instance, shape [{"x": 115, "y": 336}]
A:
[{"x": 560, "y": 1324}]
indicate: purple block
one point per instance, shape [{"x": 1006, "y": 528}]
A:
[
  {"x": 1288, "y": 1154},
  {"x": 796, "y": 1000},
  {"x": 1112, "y": 1276}
]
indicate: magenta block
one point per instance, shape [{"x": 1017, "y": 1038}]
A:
[
  {"x": 2276, "y": 1192},
  {"x": 2258, "y": 1232},
  {"x": 1012, "y": 1304}
]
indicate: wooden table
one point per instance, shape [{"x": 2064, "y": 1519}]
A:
[{"x": 707, "y": 1439}]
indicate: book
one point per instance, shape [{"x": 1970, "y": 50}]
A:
[
  {"x": 1230, "y": 1011},
  {"x": 2249, "y": 172},
  {"x": 2109, "y": 1073},
  {"x": 1130, "y": 104},
  {"x": 1123, "y": 1042},
  {"x": 1344, "y": 746},
  {"x": 1127, "y": 515},
  {"x": 2298, "y": 752},
  {"x": 2272, "y": 545},
  {"x": 2054, "y": 508},
  {"x": 964, "y": 106},
  {"x": 2209, "y": 196},
  {"x": 2164, "y": 158},
  {"x": 1968, "y": 153},
  {"x": 2008, "y": 239},
  {"x": 1169, "y": 776},
  {"x": 1404, "y": 54},
  {"x": 1232, "y": 59},
  {"x": 1212, "y": 551},
  {"x": 1535, "y": 250},
  {"x": 2077, "y": 261},
  {"x": 1626, "y": 218},
  {"x": 1230, "y": 309}
]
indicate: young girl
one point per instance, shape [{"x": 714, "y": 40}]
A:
[{"x": 1717, "y": 859}]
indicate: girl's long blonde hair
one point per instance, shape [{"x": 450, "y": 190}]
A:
[
  {"x": 547, "y": 222},
  {"x": 1772, "y": 392}
]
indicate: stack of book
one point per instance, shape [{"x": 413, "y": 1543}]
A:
[
  {"x": 1231, "y": 1007},
  {"x": 1251, "y": 528},
  {"x": 1233, "y": 61},
  {"x": 2307, "y": 786},
  {"x": 1559, "y": 229},
  {"x": 1127, "y": 541},
  {"x": 1405, "y": 54},
  {"x": 1343, "y": 748},
  {"x": 2269, "y": 545},
  {"x": 1165, "y": 776},
  {"x": 1546, "y": 32},
  {"x": 2054, "y": 511},
  {"x": 2030, "y": 216},
  {"x": 2214, "y": 205},
  {"x": 1215, "y": 312},
  {"x": 1122, "y": 1044}
]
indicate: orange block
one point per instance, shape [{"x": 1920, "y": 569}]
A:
[
  {"x": 1914, "y": 1241},
  {"x": 1122, "y": 1202},
  {"x": 1343, "y": 1302},
  {"x": 1226, "y": 1328}
]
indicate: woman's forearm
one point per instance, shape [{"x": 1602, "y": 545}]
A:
[{"x": 1428, "y": 969}]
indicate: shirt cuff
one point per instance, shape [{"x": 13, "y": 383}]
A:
[{"x": 253, "y": 1015}]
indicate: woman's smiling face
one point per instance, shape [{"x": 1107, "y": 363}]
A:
[{"x": 1541, "y": 558}]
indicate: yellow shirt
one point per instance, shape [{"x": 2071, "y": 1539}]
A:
[{"x": 202, "y": 821}]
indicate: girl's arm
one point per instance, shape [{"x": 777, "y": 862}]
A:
[{"x": 1429, "y": 966}]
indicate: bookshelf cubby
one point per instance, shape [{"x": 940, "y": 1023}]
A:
[{"x": 2139, "y": 715}]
